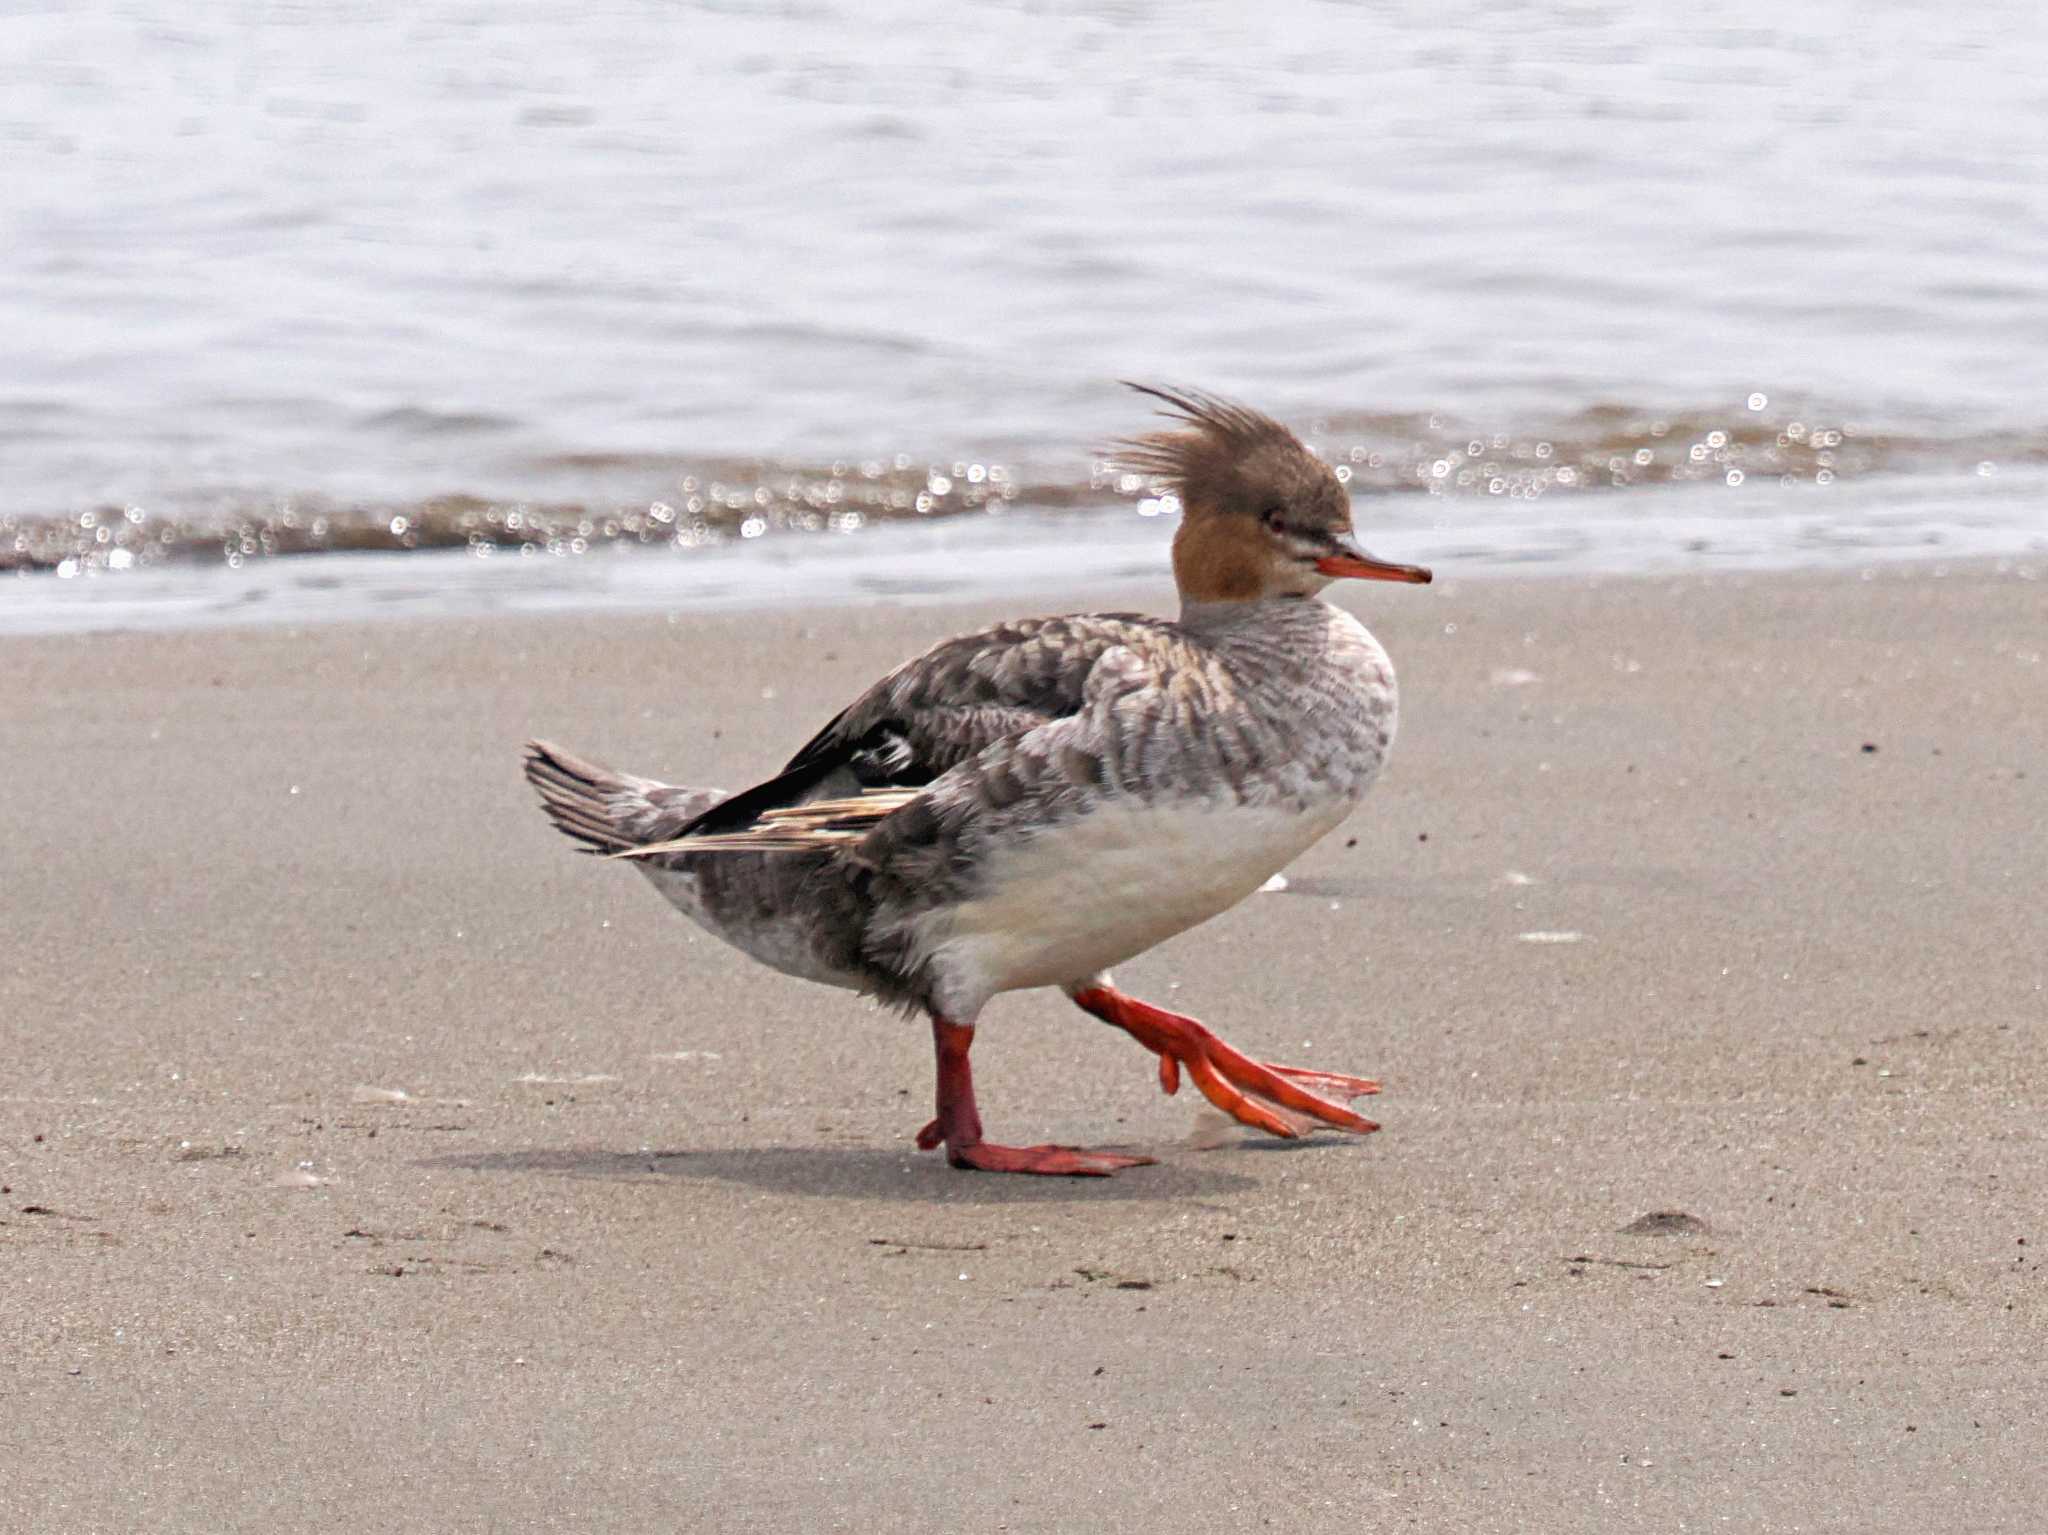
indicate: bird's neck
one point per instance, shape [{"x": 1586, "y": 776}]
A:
[
  {"x": 1198, "y": 615},
  {"x": 1222, "y": 561}
]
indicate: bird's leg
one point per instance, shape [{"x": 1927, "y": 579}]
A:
[
  {"x": 958, "y": 1126},
  {"x": 1281, "y": 1100}
]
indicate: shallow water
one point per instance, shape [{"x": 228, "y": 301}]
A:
[{"x": 293, "y": 278}]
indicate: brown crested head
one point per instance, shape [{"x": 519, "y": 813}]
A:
[{"x": 1261, "y": 516}]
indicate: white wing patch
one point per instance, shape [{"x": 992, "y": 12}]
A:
[{"x": 821, "y": 825}]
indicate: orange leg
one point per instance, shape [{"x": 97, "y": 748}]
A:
[
  {"x": 958, "y": 1126},
  {"x": 1281, "y": 1100}
]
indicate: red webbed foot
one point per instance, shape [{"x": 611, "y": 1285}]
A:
[
  {"x": 1054, "y": 1161},
  {"x": 1286, "y": 1101},
  {"x": 958, "y": 1125}
]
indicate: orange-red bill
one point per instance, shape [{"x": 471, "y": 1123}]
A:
[{"x": 1361, "y": 566}]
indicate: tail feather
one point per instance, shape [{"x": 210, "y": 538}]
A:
[{"x": 609, "y": 812}]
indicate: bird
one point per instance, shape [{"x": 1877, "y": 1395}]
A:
[{"x": 1034, "y": 803}]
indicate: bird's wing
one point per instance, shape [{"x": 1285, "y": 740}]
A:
[{"x": 930, "y": 715}]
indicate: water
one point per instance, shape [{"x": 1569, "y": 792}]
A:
[{"x": 1574, "y": 284}]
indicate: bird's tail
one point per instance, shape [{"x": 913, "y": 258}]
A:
[{"x": 609, "y": 812}]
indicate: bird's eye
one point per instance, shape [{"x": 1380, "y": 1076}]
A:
[{"x": 1273, "y": 516}]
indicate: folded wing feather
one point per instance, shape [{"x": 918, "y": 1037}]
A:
[
  {"x": 928, "y": 716},
  {"x": 814, "y": 827}
]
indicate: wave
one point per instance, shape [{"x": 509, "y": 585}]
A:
[{"x": 691, "y": 502}]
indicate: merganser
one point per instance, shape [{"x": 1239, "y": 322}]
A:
[{"x": 1034, "y": 803}]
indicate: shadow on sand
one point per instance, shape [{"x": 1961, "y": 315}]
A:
[{"x": 866, "y": 1173}]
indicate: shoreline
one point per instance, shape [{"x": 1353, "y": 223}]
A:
[
  {"x": 371, "y": 1161},
  {"x": 972, "y": 557}
]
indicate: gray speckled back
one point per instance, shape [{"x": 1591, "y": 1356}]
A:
[
  {"x": 1289, "y": 703},
  {"x": 1284, "y": 705}
]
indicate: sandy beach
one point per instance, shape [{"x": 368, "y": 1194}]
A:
[{"x": 370, "y": 1162}]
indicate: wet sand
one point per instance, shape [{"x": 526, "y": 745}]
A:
[{"x": 644, "y": 1244}]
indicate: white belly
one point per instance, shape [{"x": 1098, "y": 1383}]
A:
[{"x": 1092, "y": 892}]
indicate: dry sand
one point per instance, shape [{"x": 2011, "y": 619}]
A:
[{"x": 645, "y": 1244}]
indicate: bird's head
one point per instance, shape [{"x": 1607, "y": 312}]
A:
[{"x": 1261, "y": 516}]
